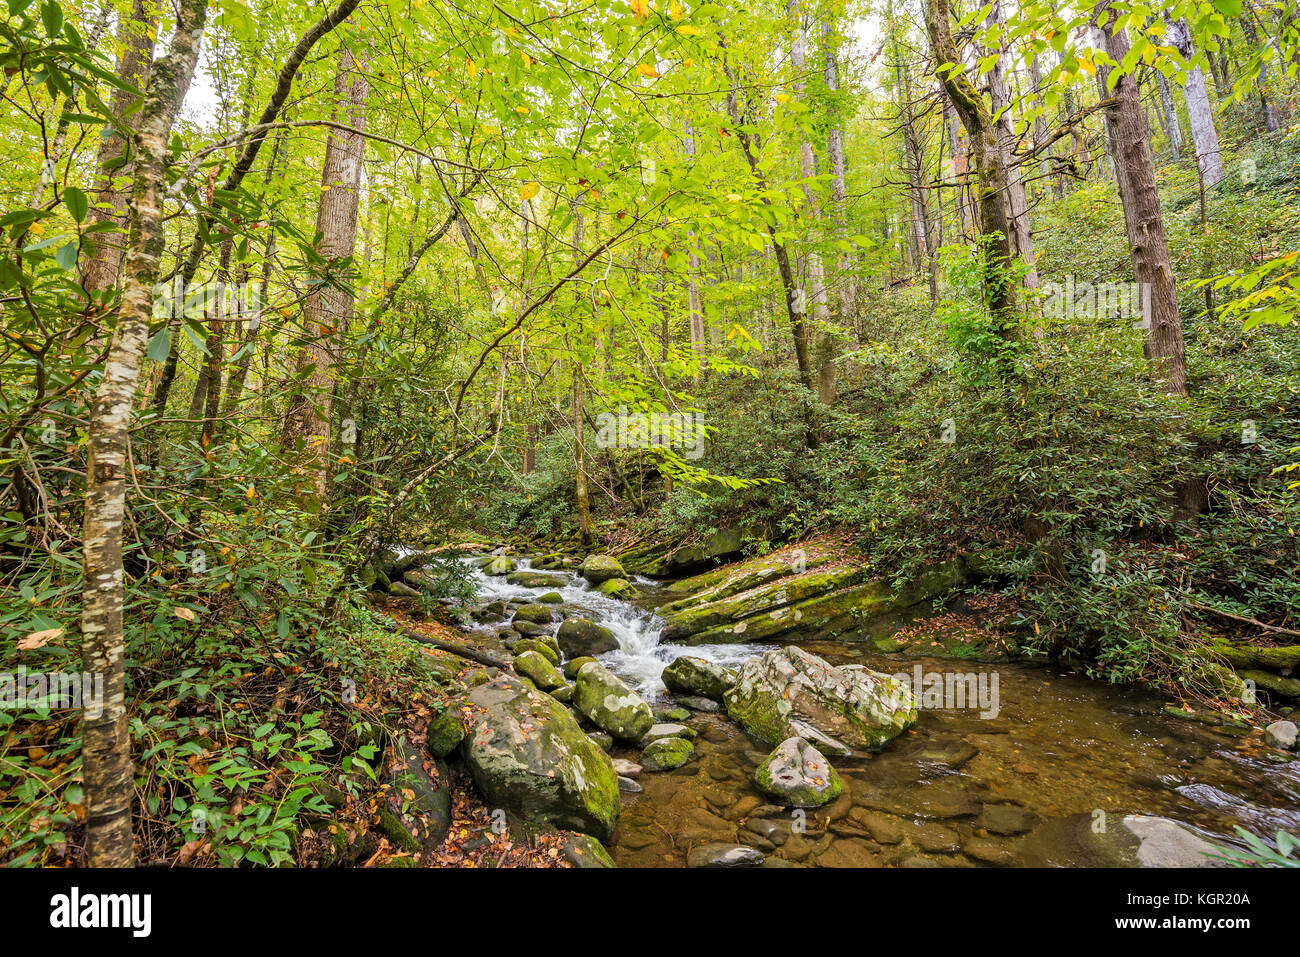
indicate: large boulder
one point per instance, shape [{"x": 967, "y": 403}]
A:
[
  {"x": 610, "y": 704},
  {"x": 696, "y": 677},
  {"x": 579, "y": 638},
  {"x": 788, "y": 692},
  {"x": 528, "y": 755},
  {"x": 797, "y": 775},
  {"x": 601, "y": 568}
]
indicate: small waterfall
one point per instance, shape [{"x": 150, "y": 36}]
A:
[{"x": 640, "y": 658}]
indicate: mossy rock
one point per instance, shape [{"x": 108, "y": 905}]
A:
[
  {"x": 617, "y": 588},
  {"x": 666, "y": 754},
  {"x": 551, "y": 598},
  {"x": 445, "y": 732},
  {"x": 528, "y": 755},
  {"x": 574, "y": 665},
  {"x": 796, "y": 774},
  {"x": 611, "y": 705},
  {"x": 537, "y": 614},
  {"x": 497, "y": 566},
  {"x": 788, "y": 692},
  {"x": 540, "y": 670},
  {"x": 578, "y": 637},
  {"x": 601, "y": 568},
  {"x": 415, "y": 810},
  {"x": 531, "y": 579},
  {"x": 696, "y": 677},
  {"x": 583, "y": 850},
  {"x": 539, "y": 645}
]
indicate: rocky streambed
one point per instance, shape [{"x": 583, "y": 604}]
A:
[{"x": 816, "y": 746}]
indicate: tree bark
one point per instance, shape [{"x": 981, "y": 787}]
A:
[
  {"x": 986, "y": 157},
  {"x": 136, "y": 35},
  {"x": 329, "y": 305},
  {"x": 1149, "y": 249},
  {"x": 1200, "y": 116},
  {"x": 106, "y": 742}
]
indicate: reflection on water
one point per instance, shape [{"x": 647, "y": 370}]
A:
[{"x": 1046, "y": 782}]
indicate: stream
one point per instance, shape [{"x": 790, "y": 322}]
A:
[{"x": 1048, "y": 781}]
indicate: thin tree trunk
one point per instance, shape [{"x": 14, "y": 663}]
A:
[
  {"x": 1146, "y": 229},
  {"x": 329, "y": 305},
  {"x": 986, "y": 156},
  {"x": 1200, "y": 116},
  {"x": 825, "y": 348},
  {"x": 1022, "y": 235},
  {"x": 283, "y": 87},
  {"x": 106, "y": 743},
  {"x": 846, "y": 285},
  {"x": 114, "y": 165}
]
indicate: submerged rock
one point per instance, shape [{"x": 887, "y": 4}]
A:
[
  {"x": 788, "y": 692},
  {"x": 666, "y": 754},
  {"x": 528, "y": 755},
  {"x": 578, "y": 637},
  {"x": 610, "y": 704},
  {"x": 601, "y": 568},
  {"x": 698, "y": 678},
  {"x": 724, "y": 855},
  {"x": 798, "y": 775}
]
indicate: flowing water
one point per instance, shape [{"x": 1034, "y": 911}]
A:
[{"x": 1047, "y": 781}]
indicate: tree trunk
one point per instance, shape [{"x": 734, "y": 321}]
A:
[
  {"x": 1200, "y": 116},
  {"x": 846, "y": 285},
  {"x": 825, "y": 348},
  {"x": 136, "y": 36},
  {"x": 329, "y": 305},
  {"x": 106, "y": 742},
  {"x": 695, "y": 307},
  {"x": 986, "y": 157},
  {"x": 1145, "y": 223},
  {"x": 1022, "y": 234}
]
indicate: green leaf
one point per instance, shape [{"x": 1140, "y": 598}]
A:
[
  {"x": 67, "y": 256},
  {"x": 159, "y": 346},
  {"x": 52, "y": 18},
  {"x": 77, "y": 203}
]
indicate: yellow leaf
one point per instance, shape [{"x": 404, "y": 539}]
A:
[
  {"x": 688, "y": 30},
  {"x": 734, "y": 197},
  {"x": 675, "y": 10},
  {"x": 471, "y": 67},
  {"x": 521, "y": 109},
  {"x": 184, "y": 613},
  {"x": 640, "y": 7},
  {"x": 647, "y": 71},
  {"x": 782, "y": 97},
  {"x": 529, "y": 190}
]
